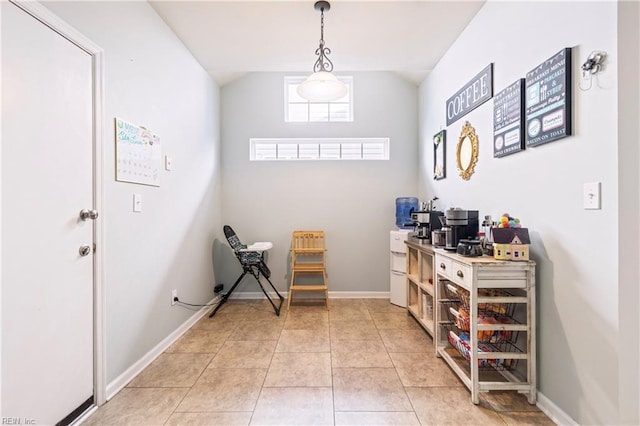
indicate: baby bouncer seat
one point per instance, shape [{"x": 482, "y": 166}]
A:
[{"x": 251, "y": 259}]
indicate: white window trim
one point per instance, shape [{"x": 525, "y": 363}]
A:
[
  {"x": 253, "y": 142},
  {"x": 297, "y": 79}
]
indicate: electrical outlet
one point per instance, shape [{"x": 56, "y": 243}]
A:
[{"x": 174, "y": 296}]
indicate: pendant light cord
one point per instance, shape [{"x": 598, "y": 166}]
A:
[
  {"x": 323, "y": 63},
  {"x": 322, "y": 27}
]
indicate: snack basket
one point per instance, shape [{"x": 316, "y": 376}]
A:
[
  {"x": 461, "y": 319},
  {"x": 462, "y": 345},
  {"x": 452, "y": 291},
  {"x": 458, "y": 309}
]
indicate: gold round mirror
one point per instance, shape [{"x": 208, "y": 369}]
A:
[{"x": 467, "y": 151}]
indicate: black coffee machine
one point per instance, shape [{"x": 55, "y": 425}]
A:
[
  {"x": 460, "y": 225},
  {"x": 424, "y": 222}
]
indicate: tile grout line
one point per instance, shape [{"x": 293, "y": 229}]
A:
[
  {"x": 501, "y": 417},
  {"x": 333, "y": 392},
  {"x": 200, "y": 375},
  {"x": 262, "y": 387}
]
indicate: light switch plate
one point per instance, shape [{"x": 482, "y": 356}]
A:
[
  {"x": 591, "y": 196},
  {"x": 137, "y": 203},
  {"x": 168, "y": 163}
]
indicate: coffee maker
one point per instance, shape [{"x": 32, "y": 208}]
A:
[
  {"x": 426, "y": 220},
  {"x": 462, "y": 224}
]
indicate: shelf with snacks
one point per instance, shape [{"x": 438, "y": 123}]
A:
[
  {"x": 488, "y": 305},
  {"x": 420, "y": 288}
]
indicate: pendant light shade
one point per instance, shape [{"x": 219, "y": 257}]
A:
[{"x": 322, "y": 86}]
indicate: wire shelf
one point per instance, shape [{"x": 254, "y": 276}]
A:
[
  {"x": 454, "y": 292},
  {"x": 460, "y": 318},
  {"x": 462, "y": 345}
]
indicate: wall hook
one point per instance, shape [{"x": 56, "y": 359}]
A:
[{"x": 592, "y": 66}]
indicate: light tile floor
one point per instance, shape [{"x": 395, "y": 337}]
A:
[{"x": 364, "y": 362}]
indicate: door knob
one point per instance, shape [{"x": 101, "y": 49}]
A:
[
  {"x": 88, "y": 214},
  {"x": 85, "y": 250}
]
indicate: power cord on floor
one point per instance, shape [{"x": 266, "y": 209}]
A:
[{"x": 175, "y": 299}]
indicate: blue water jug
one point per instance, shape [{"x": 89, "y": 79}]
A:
[{"x": 404, "y": 207}]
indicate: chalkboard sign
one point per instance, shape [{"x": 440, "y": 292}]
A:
[
  {"x": 508, "y": 120},
  {"x": 548, "y": 99},
  {"x": 138, "y": 154}
]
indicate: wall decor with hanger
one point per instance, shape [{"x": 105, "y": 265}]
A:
[{"x": 591, "y": 67}]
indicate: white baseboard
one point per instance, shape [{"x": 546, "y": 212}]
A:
[
  {"x": 554, "y": 412},
  {"x": 359, "y": 294},
  {"x": 332, "y": 295},
  {"x": 121, "y": 381},
  {"x": 255, "y": 295}
]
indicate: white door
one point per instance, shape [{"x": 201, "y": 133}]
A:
[{"x": 47, "y": 178}]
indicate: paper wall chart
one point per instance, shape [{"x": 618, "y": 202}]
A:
[{"x": 138, "y": 154}]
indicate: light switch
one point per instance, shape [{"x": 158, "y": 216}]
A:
[
  {"x": 137, "y": 202},
  {"x": 168, "y": 163},
  {"x": 591, "y": 196}
]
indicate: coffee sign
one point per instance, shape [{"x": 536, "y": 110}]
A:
[{"x": 472, "y": 95}]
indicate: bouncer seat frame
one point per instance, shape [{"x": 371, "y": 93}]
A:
[{"x": 251, "y": 259}]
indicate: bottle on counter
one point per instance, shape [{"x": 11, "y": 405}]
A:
[
  {"x": 482, "y": 239},
  {"x": 485, "y": 244}
]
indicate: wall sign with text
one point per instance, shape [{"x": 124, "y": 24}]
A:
[
  {"x": 508, "y": 120},
  {"x": 548, "y": 99},
  {"x": 473, "y": 94}
]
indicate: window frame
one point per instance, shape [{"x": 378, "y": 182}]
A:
[
  {"x": 293, "y": 79},
  {"x": 253, "y": 142}
]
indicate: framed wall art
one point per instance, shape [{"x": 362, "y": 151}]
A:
[
  {"x": 549, "y": 99},
  {"x": 508, "y": 120},
  {"x": 440, "y": 155}
]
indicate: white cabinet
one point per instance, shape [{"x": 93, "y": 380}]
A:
[
  {"x": 485, "y": 316},
  {"x": 419, "y": 284},
  {"x": 398, "y": 263}
]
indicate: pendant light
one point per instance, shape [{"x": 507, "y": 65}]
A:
[{"x": 322, "y": 86}]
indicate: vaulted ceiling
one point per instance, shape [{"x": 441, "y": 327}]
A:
[{"x": 233, "y": 37}]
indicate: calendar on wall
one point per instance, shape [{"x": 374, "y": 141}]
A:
[{"x": 138, "y": 154}]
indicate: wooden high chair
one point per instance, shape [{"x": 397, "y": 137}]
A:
[{"x": 308, "y": 256}]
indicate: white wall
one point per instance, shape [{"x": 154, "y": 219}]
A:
[
  {"x": 576, "y": 249},
  {"x": 629, "y": 208},
  {"x": 152, "y": 80},
  {"x": 352, "y": 201}
]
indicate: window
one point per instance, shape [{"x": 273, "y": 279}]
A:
[
  {"x": 318, "y": 149},
  {"x": 299, "y": 110}
]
